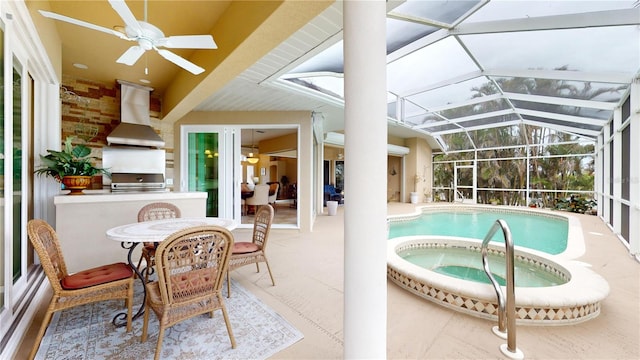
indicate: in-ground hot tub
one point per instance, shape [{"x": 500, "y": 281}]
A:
[{"x": 573, "y": 294}]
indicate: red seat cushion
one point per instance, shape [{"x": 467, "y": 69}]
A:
[
  {"x": 244, "y": 247},
  {"x": 97, "y": 276}
]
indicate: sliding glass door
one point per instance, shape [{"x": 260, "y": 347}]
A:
[{"x": 207, "y": 155}]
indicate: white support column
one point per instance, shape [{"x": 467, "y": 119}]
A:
[
  {"x": 634, "y": 171},
  {"x": 607, "y": 175},
  {"x": 365, "y": 229},
  {"x": 599, "y": 174},
  {"x": 616, "y": 172}
]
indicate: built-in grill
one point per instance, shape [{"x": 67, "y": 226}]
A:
[{"x": 137, "y": 182}]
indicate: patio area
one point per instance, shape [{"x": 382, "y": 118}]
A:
[{"x": 308, "y": 293}]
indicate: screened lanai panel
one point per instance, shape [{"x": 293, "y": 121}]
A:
[
  {"x": 586, "y": 112},
  {"x": 599, "y": 49},
  {"x": 458, "y": 141},
  {"x": 444, "y": 96},
  {"x": 457, "y": 67},
  {"x": 456, "y": 113},
  {"x": 590, "y": 131},
  {"x": 412, "y": 110},
  {"x": 423, "y": 119},
  {"x": 497, "y": 137},
  {"x": 401, "y": 33},
  {"x": 565, "y": 89},
  {"x": 503, "y": 10},
  {"x": 433, "y": 64},
  {"x": 443, "y": 11},
  {"x": 327, "y": 84}
]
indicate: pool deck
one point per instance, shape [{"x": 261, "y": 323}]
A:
[
  {"x": 308, "y": 269},
  {"x": 308, "y": 293}
]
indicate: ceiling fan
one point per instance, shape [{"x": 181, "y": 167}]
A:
[{"x": 147, "y": 36}]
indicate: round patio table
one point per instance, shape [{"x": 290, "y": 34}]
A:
[{"x": 155, "y": 231}]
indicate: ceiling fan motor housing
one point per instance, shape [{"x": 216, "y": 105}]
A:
[{"x": 148, "y": 37}]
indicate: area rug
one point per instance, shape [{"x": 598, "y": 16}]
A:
[{"x": 86, "y": 332}]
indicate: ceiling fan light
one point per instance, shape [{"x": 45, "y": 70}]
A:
[{"x": 252, "y": 160}]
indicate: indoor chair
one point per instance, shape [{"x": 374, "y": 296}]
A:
[
  {"x": 245, "y": 253},
  {"x": 273, "y": 194},
  {"x": 331, "y": 194},
  {"x": 260, "y": 196},
  {"x": 107, "y": 282},
  {"x": 191, "y": 265},
  {"x": 150, "y": 212}
]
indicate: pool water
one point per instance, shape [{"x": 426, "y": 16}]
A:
[
  {"x": 542, "y": 233},
  {"x": 469, "y": 273},
  {"x": 466, "y": 264}
]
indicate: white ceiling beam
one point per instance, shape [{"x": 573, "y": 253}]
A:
[
  {"x": 418, "y": 20},
  {"x": 569, "y": 21}
]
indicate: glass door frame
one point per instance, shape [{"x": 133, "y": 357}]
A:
[
  {"x": 228, "y": 154},
  {"x": 229, "y": 166}
]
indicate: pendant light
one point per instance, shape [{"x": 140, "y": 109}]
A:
[{"x": 252, "y": 159}]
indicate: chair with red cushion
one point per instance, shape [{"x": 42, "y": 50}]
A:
[
  {"x": 245, "y": 253},
  {"x": 150, "y": 212},
  {"x": 191, "y": 265},
  {"x": 107, "y": 282}
]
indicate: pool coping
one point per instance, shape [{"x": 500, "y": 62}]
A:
[{"x": 576, "y": 301}]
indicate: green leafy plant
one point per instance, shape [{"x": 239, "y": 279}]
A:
[
  {"x": 576, "y": 204},
  {"x": 72, "y": 160}
]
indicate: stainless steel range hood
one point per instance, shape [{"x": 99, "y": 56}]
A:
[{"x": 135, "y": 123}]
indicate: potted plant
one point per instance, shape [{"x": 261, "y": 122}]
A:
[{"x": 72, "y": 166}]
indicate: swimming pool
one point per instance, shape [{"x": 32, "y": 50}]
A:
[
  {"x": 447, "y": 277},
  {"x": 535, "y": 231}
]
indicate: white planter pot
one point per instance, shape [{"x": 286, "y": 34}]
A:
[
  {"x": 332, "y": 206},
  {"x": 414, "y": 197}
]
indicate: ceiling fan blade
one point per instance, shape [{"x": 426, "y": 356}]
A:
[
  {"x": 131, "y": 55},
  {"x": 127, "y": 16},
  {"x": 180, "y": 61},
  {"x": 82, "y": 23},
  {"x": 188, "y": 42}
]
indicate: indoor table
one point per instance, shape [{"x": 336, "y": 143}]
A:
[{"x": 131, "y": 235}]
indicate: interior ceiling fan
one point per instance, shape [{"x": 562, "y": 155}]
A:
[{"x": 147, "y": 36}]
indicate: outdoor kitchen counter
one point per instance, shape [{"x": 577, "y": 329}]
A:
[{"x": 82, "y": 220}]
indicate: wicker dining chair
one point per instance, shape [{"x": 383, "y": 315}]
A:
[
  {"x": 191, "y": 265},
  {"x": 108, "y": 282},
  {"x": 245, "y": 253},
  {"x": 149, "y": 212}
]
